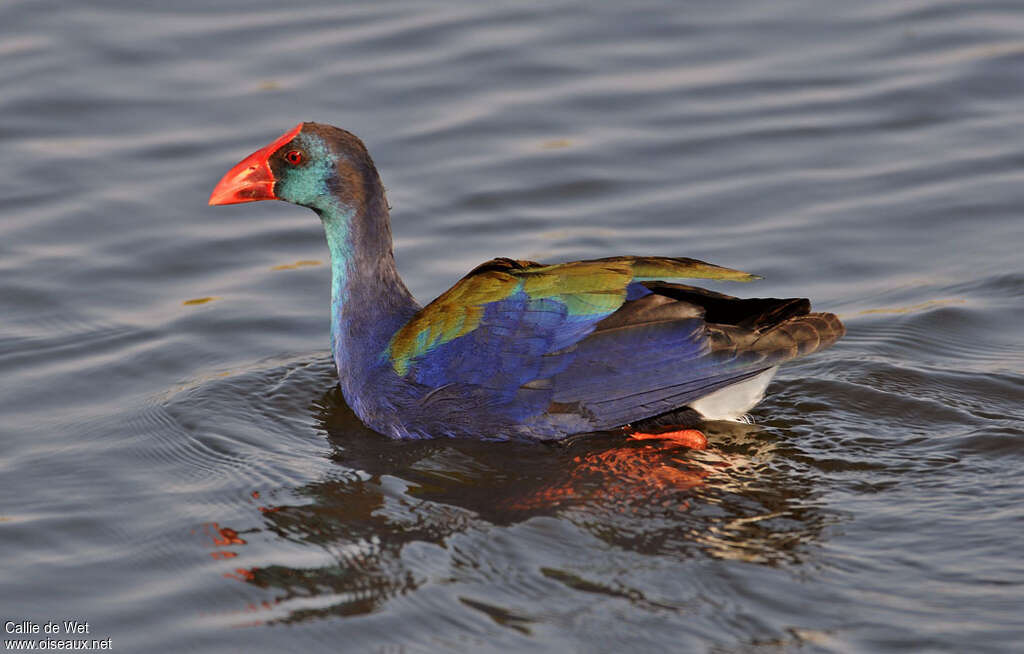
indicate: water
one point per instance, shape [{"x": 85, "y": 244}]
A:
[{"x": 178, "y": 469}]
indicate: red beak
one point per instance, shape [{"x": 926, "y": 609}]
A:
[{"x": 251, "y": 179}]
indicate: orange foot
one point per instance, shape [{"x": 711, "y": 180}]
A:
[{"x": 690, "y": 438}]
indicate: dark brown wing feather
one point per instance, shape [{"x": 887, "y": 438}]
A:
[{"x": 784, "y": 328}]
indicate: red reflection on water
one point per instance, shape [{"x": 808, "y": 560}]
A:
[
  {"x": 223, "y": 554},
  {"x": 242, "y": 574},
  {"x": 627, "y": 471},
  {"x": 228, "y": 536},
  {"x": 264, "y": 509},
  {"x": 222, "y": 537}
]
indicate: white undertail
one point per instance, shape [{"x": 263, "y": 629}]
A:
[{"x": 732, "y": 402}]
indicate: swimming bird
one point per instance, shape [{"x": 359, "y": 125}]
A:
[{"x": 518, "y": 349}]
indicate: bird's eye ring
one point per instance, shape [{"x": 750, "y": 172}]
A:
[{"x": 294, "y": 157}]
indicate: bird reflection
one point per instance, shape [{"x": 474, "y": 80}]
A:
[{"x": 650, "y": 496}]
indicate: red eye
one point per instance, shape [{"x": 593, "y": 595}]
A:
[{"x": 294, "y": 157}]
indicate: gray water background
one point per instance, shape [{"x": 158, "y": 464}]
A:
[{"x": 176, "y": 468}]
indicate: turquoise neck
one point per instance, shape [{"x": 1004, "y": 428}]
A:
[{"x": 336, "y": 227}]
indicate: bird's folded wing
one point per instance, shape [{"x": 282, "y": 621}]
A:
[{"x": 499, "y": 326}]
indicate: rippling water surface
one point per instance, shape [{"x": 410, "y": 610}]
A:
[{"x": 179, "y": 469}]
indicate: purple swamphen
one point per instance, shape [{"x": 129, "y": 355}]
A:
[{"x": 518, "y": 349}]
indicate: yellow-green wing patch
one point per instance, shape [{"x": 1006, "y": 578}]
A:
[
  {"x": 585, "y": 287},
  {"x": 658, "y": 268}
]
